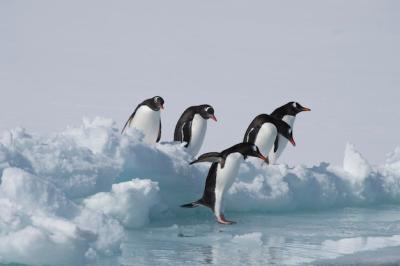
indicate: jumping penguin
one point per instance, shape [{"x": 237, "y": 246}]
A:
[
  {"x": 192, "y": 126},
  {"x": 147, "y": 119},
  {"x": 264, "y": 132},
  {"x": 286, "y": 113},
  {"x": 222, "y": 174}
]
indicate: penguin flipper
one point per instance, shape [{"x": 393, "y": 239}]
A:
[
  {"x": 128, "y": 122},
  {"x": 251, "y": 133},
  {"x": 208, "y": 198},
  {"x": 183, "y": 132},
  {"x": 246, "y": 135},
  {"x": 212, "y": 157},
  {"x": 193, "y": 204},
  {"x": 276, "y": 143},
  {"x": 183, "y": 127},
  {"x": 187, "y": 133},
  {"x": 159, "y": 133}
]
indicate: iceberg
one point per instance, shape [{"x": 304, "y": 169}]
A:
[{"x": 73, "y": 195}]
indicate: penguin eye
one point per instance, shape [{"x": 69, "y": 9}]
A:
[
  {"x": 209, "y": 110},
  {"x": 156, "y": 99},
  {"x": 294, "y": 105}
]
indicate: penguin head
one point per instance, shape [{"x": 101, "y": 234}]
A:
[
  {"x": 249, "y": 149},
  {"x": 285, "y": 130},
  {"x": 207, "y": 111},
  {"x": 293, "y": 108},
  {"x": 156, "y": 103}
]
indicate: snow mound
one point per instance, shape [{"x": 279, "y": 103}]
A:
[
  {"x": 37, "y": 218},
  {"x": 70, "y": 195},
  {"x": 128, "y": 202},
  {"x": 355, "y": 164}
]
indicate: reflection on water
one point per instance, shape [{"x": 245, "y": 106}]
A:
[
  {"x": 290, "y": 239},
  {"x": 357, "y": 244}
]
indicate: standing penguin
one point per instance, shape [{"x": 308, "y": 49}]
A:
[
  {"x": 147, "y": 119},
  {"x": 286, "y": 113},
  {"x": 222, "y": 174},
  {"x": 264, "y": 132},
  {"x": 192, "y": 126}
]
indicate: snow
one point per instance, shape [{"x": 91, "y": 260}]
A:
[
  {"x": 129, "y": 202},
  {"x": 73, "y": 195},
  {"x": 355, "y": 164}
]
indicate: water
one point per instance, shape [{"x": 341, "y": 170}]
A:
[{"x": 328, "y": 237}]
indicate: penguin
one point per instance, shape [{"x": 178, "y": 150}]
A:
[
  {"x": 222, "y": 174},
  {"x": 147, "y": 119},
  {"x": 286, "y": 113},
  {"x": 192, "y": 126},
  {"x": 264, "y": 131}
]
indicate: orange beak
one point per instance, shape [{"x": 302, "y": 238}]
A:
[
  {"x": 214, "y": 118},
  {"x": 305, "y": 109},
  {"x": 292, "y": 141},
  {"x": 262, "y": 157}
]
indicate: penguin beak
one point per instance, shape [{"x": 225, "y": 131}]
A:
[
  {"x": 292, "y": 141},
  {"x": 214, "y": 118},
  {"x": 262, "y": 157},
  {"x": 305, "y": 109},
  {"x": 162, "y": 107}
]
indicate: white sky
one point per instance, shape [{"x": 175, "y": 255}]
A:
[{"x": 62, "y": 61}]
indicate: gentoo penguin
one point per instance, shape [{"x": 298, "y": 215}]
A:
[
  {"x": 222, "y": 174},
  {"x": 264, "y": 130},
  {"x": 146, "y": 118},
  {"x": 192, "y": 125},
  {"x": 288, "y": 114}
]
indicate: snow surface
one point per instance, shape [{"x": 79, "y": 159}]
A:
[{"x": 72, "y": 194}]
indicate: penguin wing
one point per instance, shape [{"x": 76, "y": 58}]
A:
[
  {"x": 183, "y": 132},
  {"x": 213, "y": 157},
  {"x": 187, "y": 133},
  {"x": 251, "y": 134},
  {"x": 159, "y": 133},
  {"x": 208, "y": 198},
  {"x": 183, "y": 129},
  {"x": 130, "y": 119},
  {"x": 276, "y": 143}
]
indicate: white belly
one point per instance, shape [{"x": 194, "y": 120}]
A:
[
  {"x": 198, "y": 132},
  {"x": 225, "y": 178},
  {"x": 266, "y": 137},
  {"x": 148, "y": 122},
  {"x": 273, "y": 156}
]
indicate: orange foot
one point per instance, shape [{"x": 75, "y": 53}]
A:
[{"x": 221, "y": 219}]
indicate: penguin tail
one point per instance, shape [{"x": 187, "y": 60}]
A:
[{"x": 193, "y": 204}]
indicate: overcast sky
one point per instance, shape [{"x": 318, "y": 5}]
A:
[{"x": 60, "y": 61}]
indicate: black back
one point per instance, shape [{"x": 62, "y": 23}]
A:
[
  {"x": 208, "y": 198},
  {"x": 252, "y": 131},
  {"x": 155, "y": 104},
  {"x": 183, "y": 128},
  {"x": 246, "y": 149}
]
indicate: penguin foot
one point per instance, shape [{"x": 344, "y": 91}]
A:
[{"x": 221, "y": 219}]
